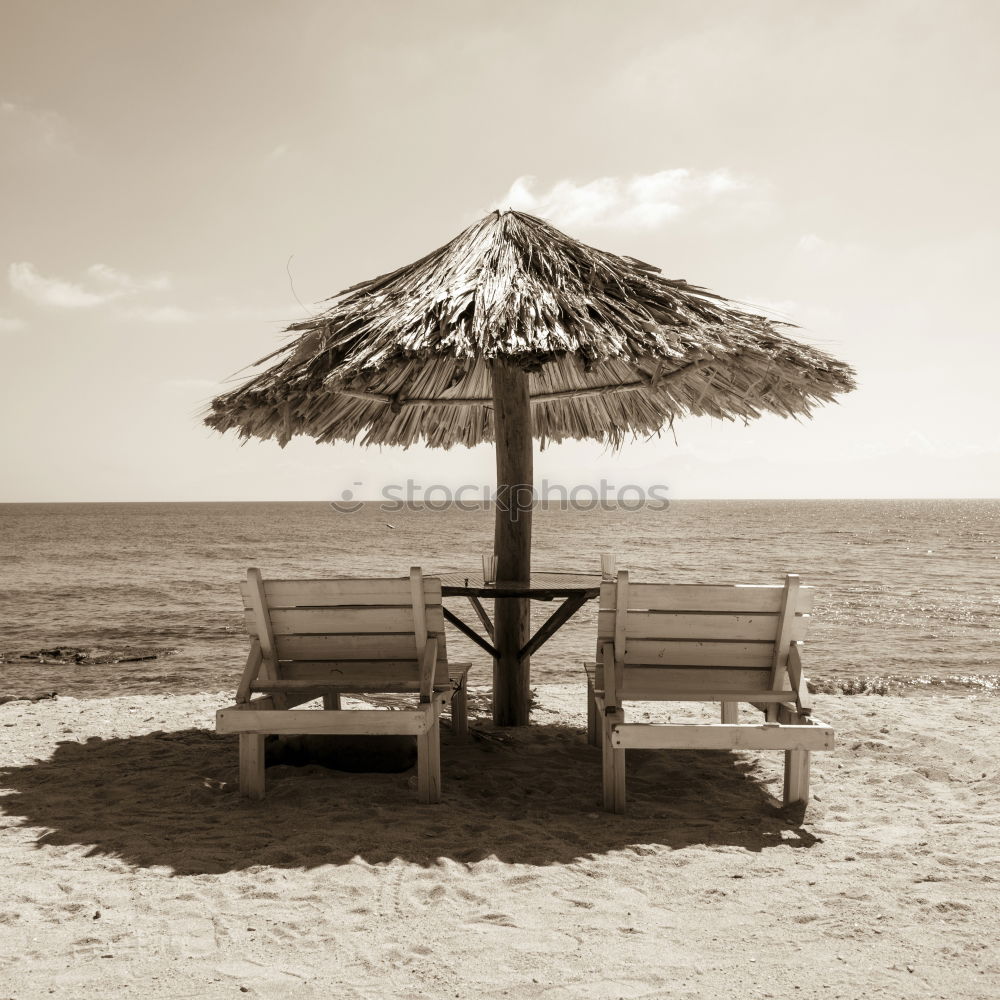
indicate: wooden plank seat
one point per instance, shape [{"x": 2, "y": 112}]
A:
[
  {"x": 695, "y": 642},
  {"x": 312, "y": 638}
]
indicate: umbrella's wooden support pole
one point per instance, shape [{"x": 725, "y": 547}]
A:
[{"x": 512, "y": 541}]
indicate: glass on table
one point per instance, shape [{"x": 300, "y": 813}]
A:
[
  {"x": 489, "y": 568},
  {"x": 607, "y": 566}
]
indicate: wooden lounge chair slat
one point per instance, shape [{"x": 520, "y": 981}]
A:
[
  {"x": 666, "y": 679},
  {"x": 717, "y": 736},
  {"x": 332, "y": 593},
  {"x": 342, "y": 687},
  {"x": 698, "y": 653},
  {"x": 357, "y": 722},
  {"x": 660, "y": 682},
  {"x": 367, "y": 646},
  {"x": 687, "y": 625},
  {"x": 374, "y": 672},
  {"x": 735, "y": 598},
  {"x": 749, "y": 695},
  {"x": 376, "y": 620},
  {"x": 339, "y": 687}
]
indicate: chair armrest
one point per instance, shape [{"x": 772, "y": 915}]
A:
[
  {"x": 456, "y": 676},
  {"x": 798, "y": 678},
  {"x": 250, "y": 671},
  {"x": 428, "y": 667},
  {"x": 613, "y": 677}
]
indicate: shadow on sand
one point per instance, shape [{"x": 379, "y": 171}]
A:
[{"x": 527, "y": 796}]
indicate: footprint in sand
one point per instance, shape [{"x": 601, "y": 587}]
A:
[
  {"x": 497, "y": 919},
  {"x": 522, "y": 879},
  {"x": 471, "y": 897}
]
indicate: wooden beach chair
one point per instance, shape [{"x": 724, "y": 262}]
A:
[
  {"x": 312, "y": 638},
  {"x": 693, "y": 642}
]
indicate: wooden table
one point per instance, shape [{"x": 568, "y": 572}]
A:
[{"x": 575, "y": 589}]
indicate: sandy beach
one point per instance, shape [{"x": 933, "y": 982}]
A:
[{"x": 129, "y": 866}]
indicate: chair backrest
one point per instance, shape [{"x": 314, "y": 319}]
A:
[
  {"x": 356, "y": 629},
  {"x": 695, "y": 638}
]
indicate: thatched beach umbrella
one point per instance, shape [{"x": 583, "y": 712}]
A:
[{"x": 511, "y": 331}]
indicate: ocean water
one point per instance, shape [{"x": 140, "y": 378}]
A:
[{"x": 908, "y": 590}]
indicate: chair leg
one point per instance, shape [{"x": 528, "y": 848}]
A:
[
  {"x": 796, "y": 776},
  {"x": 730, "y": 713},
  {"x": 460, "y": 711},
  {"x": 613, "y": 760},
  {"x": 591, "y": 715},
  {"x": 331, "y": 702},
  {"x": 251, "y": 766},
  {"x": 429, "y": 764}
]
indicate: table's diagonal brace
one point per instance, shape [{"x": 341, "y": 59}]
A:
[
  {"x": 555, "y": 621},
  {"x": 483, "y": 616},
  {"x": 470, "y": 632}
]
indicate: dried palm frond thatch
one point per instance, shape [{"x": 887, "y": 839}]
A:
[{"x": 612, "y": 348}]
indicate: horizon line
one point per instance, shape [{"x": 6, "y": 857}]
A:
[{"x": 435, "y": 503}]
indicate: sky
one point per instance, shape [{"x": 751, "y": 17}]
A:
[{"x": 180, "y": 181}]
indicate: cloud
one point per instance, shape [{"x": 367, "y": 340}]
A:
[
  {"x": 811, "y": 243},
  {"x": 899, "y": 441},
  {"x": 113, "y": 278},
  {"x": 159, "y": 314},
  {"x": 644, "y": 201},
  {"x": 25, "y": 280},
  {"x": 32, "y": 132},
  {"x": 812, "y": 251},
  {"x": 11, "y": 324},
  {"x": 105, "y": 284}
]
